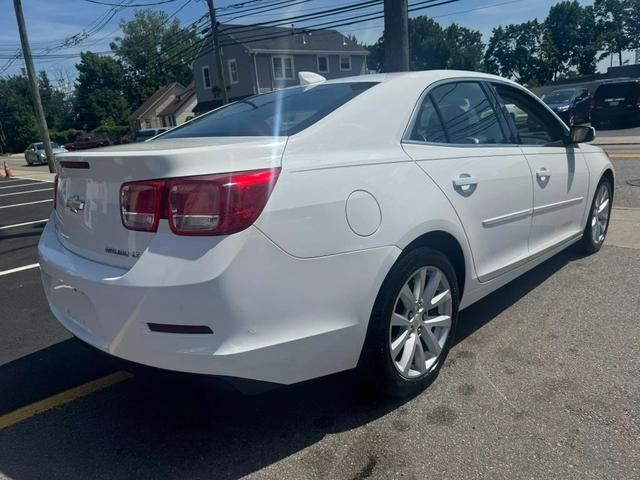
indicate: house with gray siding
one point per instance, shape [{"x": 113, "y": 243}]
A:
[{"x": 261, "y": 59}]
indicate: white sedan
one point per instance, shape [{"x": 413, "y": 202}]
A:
[{"x": 334, "y": 226}]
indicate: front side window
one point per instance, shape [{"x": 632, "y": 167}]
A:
[
  {"x": 534, "y": 124},
  {"x": 282, "y": 67},
  {"x": 345, "y": 62},
  {"x": 279, "y": 113},
  {"x": 233, "y": 71},
  {"x": 323, "y": 64},
  {"x": 206, "y": 78},
  {"x": 467, "y": 114}
]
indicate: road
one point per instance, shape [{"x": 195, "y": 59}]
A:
[{"x": 543, "y": 382}]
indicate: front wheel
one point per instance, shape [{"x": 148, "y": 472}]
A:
[
  {"x": 597, "y": 226},
  {"x": 412, "y": 325}
]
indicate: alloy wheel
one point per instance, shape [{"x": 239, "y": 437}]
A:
[
  {"x": 600, "y": 215},
  {"x": 420, "y": 322}
]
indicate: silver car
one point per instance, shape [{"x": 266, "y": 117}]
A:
[{"x": 35, "y": 154}]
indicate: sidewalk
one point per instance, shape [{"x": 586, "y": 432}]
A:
[
  {"x": 21, "y": 169},
  {"x": 626, "y": 140},
  {"x": 624, "y": 229}
]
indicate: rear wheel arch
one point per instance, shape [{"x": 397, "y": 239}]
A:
[
  {"x": 608, "y": 174},
  {"x": 448, "y": 245}
]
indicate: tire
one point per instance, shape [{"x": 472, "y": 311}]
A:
[
  {"x": 595, "y": 231},
  {"x": 377, "y": 369}
]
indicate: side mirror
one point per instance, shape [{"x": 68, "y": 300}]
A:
[{"x": 581, "y": 134}]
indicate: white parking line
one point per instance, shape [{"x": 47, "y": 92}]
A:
[
  {"x": 27, "y": 203},
  {"x": 21, "y": 185},
  {"x": 16, "y": 225},
  {"x": 28, "y": 191},
  {"x": 19, "y": 269},
  {"x": 15, "y": 179},
  {"x": 35, "y": 179}
]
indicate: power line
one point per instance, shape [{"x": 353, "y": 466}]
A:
[{"x": 160, "y": 2}]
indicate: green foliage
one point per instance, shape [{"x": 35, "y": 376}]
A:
[
  {"x": 109, "y": 128},
  {"x": 100, "y": 91},
  {"x": 18, "y": 126},
  {"x": 515, "y": 51},
  {"x": 614, "y": 20},
  {"x": 65, "y": 136},
  {"x": 147, "y": 49},
  {"x": 433, "y": 47}
]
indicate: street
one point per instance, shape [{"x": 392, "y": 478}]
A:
[{"x": 543, "y": 381}]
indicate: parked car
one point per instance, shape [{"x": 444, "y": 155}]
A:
[
  {"x": 89, "y": 141},
  {"x": 147, "y": 133},
  {"x": 35, "y": 154},
  {"x": 321, "y": 228},
  {"x": 572, "y": 105},
  {"x": 617, "y": 104}
]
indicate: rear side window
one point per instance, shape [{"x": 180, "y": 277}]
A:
[
  {"x": 280, "y": 113},
  {"x": 624, "y": 90},
  {"x": 467, "y": 114},
  {"x": 427, "y": 126}
]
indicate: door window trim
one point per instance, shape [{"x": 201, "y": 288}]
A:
[{"x": 406, "y": 136}]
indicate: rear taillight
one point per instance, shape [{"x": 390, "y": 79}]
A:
[
  {"x": 55, "y": 191},
  {"x": 638, "y": 102},
  {"x": 204, "y": 205}
]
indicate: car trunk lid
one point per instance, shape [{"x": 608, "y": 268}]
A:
[{"x": 88, "y": 220}]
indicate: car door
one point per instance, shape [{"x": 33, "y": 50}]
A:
[
  {"x": 461, "y": 143},
  {"x": 28, "y": 153},
  {"x": 560, "y": 173},
  {"x": 583, "y": 105}
]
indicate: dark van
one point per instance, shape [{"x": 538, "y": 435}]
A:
[{"x": 617, "y": 104}]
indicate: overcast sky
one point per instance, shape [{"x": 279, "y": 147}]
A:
[{"x": 49, "y": 22}]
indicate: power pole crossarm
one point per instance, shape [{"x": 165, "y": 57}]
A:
[
  {"x": 216, "y": 51},
  {"x": 396, "y": 35},
  {"x": 35, "y": 91}
]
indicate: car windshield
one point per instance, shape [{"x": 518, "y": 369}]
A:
[
  {"x": 279, "y": 113},
  {"x": 559, "y": 96},
  {"x": 617, "y": 90}
]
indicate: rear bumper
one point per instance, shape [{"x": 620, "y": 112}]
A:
[
  {"x": 616, "y": 116},
  {"x": 274, "y": 317}
]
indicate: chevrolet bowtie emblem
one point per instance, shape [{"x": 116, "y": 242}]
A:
[{"x": 75, "y": 204}]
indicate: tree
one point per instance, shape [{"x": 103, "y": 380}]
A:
[
  {"x": 153, "y": 51},
  {"x": 589, "y": 43},
  {"x": 433, "y": 47},
  {"x": 560, "y": 37},
  {"x": 18, "y": 123},
  {"x": 99, "y": 91},
  {"x": 57, "y": 107},
  {"x": 632, "y": 26},
  {"x": 613, "y": 20},
  {"x": 515, "y": 51}
]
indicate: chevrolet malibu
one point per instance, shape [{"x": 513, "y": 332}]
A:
[{"x": 338, "y": 225}]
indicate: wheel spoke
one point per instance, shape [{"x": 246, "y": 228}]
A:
[
  {"x": 439, "y": 321},
  {"x": 440, "y": 298},
  {"x": 419, "y": 359},
  {"x": 431, "y": 342},
  {"x": 406, "y": 360},
  {"x": 407, "y": 296},
  {"x": 398, "y": 320},
  {"x": 419, "y": 281},
  {"x": 432, "y": 286},
  {"x": 602, "y": 207},
  {"x": 399, "y": 343}
]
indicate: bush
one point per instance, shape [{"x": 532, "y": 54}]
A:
[{"x": 65, "y": 136}]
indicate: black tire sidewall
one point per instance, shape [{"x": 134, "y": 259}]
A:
[
  {"x": 375, "y": 366},
  {"x": 588, "y": 245}
]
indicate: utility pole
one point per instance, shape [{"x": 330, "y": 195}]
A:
[
  {"x": 396, "y": 35},
  {"x": 216, "y": 47},
  {"x": 31, "y": 72}
]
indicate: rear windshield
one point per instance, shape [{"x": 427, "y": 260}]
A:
[
  {"x": 618, "y": 90},
  {"x": 280, "y": 113}
]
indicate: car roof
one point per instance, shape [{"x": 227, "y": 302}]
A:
[{"x": 423, "y": 76}]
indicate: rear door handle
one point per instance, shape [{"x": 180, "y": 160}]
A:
[
  {"x": 543, "y": 173},
  {"x": 465, "y": 181}
]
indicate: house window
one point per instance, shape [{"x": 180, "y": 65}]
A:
[
  {"x": 164, "y": 121},
  {"x": 282, "y": 67},
  {"x": 206, "y": 78},
  {"x": 323, "y": 64},
  {"x": 233, "y": 71},
  {"x": 345, "y": 63}
]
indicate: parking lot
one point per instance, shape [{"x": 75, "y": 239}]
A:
[{"x": 543, "y": 382}]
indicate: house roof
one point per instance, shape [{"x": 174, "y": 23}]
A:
[
  {"x": 180, "y": 101},
  {"x": 257, "y": 38},
  {"x": 153, "y": 99}
]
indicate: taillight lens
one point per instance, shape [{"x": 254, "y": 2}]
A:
[
  {"x": 55, "y": 191},
  {"x": 204, "y": 205},
  {"x": 140, "y": 204}
]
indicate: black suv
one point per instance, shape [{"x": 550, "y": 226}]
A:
[
  {"x": 617, "y": 104},
  {"x": 572, "y": 105}
]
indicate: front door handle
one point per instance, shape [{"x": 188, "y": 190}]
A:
[
  {"x": 543, "y": 173},
  {"x": 465, "y": 180}
]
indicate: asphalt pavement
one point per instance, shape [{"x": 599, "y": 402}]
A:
[{"x": 543, "y": 382}]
